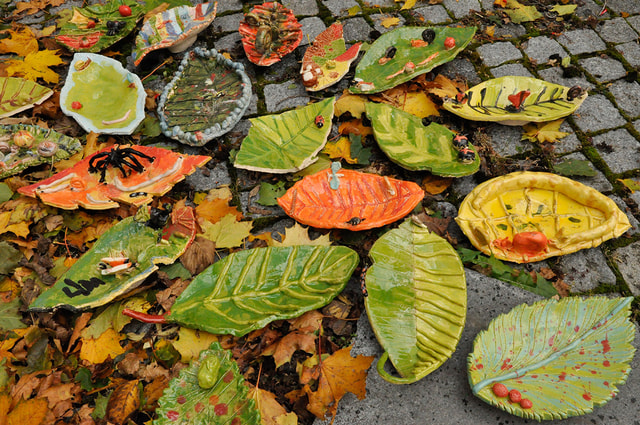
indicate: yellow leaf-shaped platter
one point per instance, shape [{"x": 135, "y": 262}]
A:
[{"x": 530, "y": 216}]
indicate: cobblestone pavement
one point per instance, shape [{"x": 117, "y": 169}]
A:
[{"x": 604, "y": 50}]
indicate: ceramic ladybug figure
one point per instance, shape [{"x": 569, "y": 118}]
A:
[{"x": 319, "y": 121}]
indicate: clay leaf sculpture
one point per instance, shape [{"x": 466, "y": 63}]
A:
[
  {"x": 416, "y": 302},
  {"x": 515, "y": 100},
  {"x": 269, "y": 32},
  {"x": 102, "y": 96},
  {"x": 23, "y": 146},
  {"x": 206, "y": 98},
  {"x": 327, "y": 60},
  {"x": 408, "y": 143},
  {"x": 404, "y": 53},
  {"x": 18, "y": 94},
  {"x": 345, "y": 199},
  {"x": 210, "y": 391},
  {"x": 554, "y": 359},
  {"x": 530, "y": 216},
  {"x": 129, "y": 174},
  {"x": 175, "y": 29},
  {"x": 251, "y": 288},
  {"x": 122, "y": 258},
  {"x": 94, "y": 28},
  {"x": 287, "y": 142}
]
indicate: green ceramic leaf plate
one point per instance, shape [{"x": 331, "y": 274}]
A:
[
  {"x": 210, "y": 391},
  {"x": 94, "y": 28},
  {"x": 23, "y": 146},
  {"x": 286, "y": 142},
  {"x": 565, "y": 357},
  {"x": 251, "y": 288},
  {"x": 18, "y": 94},
  {"x": 136, "y": 239},
  {"x": 517, "y": 100},
  {"x": 408, "y": 143},
  {"x": 373, "y": 77},
  {"x": 417, "y": 300}
]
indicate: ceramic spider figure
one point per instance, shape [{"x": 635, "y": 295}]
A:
[{"x": 117, "y": 157}]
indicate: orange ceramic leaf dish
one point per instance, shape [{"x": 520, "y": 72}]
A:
[
  {"x": 361, "y": 201},
  {"x": 129, "y": 174}
]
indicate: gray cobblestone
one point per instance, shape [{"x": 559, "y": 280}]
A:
[
  {"x": 379, "y": 3},
  {"x": 340, "y": 7},
  {"x": 311, "y": 27},
  {"x": 509, "y": 31},
  {"x": 597, "y": 113},
  {"x": 460, "y": 67},
  {"x": 617, "y": 30},
  {"x": 581, "y": 41},
  {"x": 218, "y": 176},
  {"x": 619, "y": 149},
  {"x": 302, "y": 7},
  {"x": 285, "y": 96},
  {"x": 598, "y": 182},
  {"x": 627, "y": 96},
  {"x": 227, "y": 5},
  {"x": 511, "y": 69},
  {"x": 506, "y": 140},
  {"x": 278, "y": 73},
  {"x": 554, "y": 75},
  {"x": 568, "y": 143},
  {"x": 379, "y": 17},
  {"x": 624, "y": 6},
  {"x": 461, "y": 8},
  {"x": 588, "y": 8},
  {"x": 586, "y": 270},
  {"x": 435, "y": 14},
  {"x": 603, "y": 69},
  {"x": 228, "y": 42},
  {"x": 538, "y": 49},
  {"x": 494, "y": 54},
  {"x": 631, "y": 52},
  {"x": 627, "y": 261},
  {"x": 227, "y": 23},
  {"x": 356, "y": 29},
  {"x": 634, "y": 21},
  {"x": 636, "y": 125}
]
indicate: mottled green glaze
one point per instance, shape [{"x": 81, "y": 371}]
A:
[
  {"x": 566, "y": 356},
  {"x": 286, "y": 142},
  {"x": 251, "y": 288},
  {"x": 370, "y": 71},
  {"x": 408, "y": 143},
  {"x": 226, "y": 401},
  {"x": 18, "y": 94},
  {"x": 417, "y": 300}
]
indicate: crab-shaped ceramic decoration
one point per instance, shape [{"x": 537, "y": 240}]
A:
[{"x": 129, "y": 174}]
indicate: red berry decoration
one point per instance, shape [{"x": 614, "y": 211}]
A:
[
  {"x": 515, "y": 396},
  {"x": 124, "y": 10},
  {"x": 91, "y": 24},
  {"x": 525, "y": 403},
  {"x": 76, "y": 105},
  {"x": 449, "y": 43},
  {"x": 500, "y": 390}
]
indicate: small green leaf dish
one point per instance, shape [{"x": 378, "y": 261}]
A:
[
  {"x": 416, "y": 302},
  {"x": 408, "y": 143},
  {"x": 563, "y": 357},
  {"x": 18, "y": 94}
]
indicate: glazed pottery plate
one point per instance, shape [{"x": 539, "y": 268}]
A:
[
  {"x": 18, "y": 94},
  {"x": 102, "y": 96},
  {"x": 530, "y": 216}
]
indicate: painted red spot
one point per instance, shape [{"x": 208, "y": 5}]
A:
[
  {"x": 236, "y": 421},
  {"x": 506, "y": 365},
  {"x": 199, "y": 407},
  {"x": 551, "y": 341},
  {"x": 605, "y": 346},
  {"x": 606, "y": 383},
  {"x": 593, "y": 372},
  {"x": 221, "y": 409},
  {"x": 228, "y": 377},
  {"x": 577, "y": 328},
  {"x": 563, "y": 375},
  {"x": 581, "y": 351},
  {"x": 213, "y": 399},
  {"x": 606, "y": 363},
  {"x": 173, "y": 415},
  {"x": 569, "y": 323},
  {"x": 182, "y": 399},
  {"x": 586, "y": 396},
  {"x": 534, "y": 376},
  {"x": 183, "y": 384},
  {"x": 479, "y": 366}
]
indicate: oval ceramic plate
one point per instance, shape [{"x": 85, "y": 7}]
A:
[
  {"x": 102, "y": 96},
  {"x": 206, "y": 98},
  {"x": 531, "y": 216},
  {"x": 417, "y": 300},
  {"x": 516, "y": 100},
  {"x": 347, "y": 199}
]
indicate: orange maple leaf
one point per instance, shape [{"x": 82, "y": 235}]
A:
[
  {"x": 283, "y": 349},
  {"x": 21, "y": 42},
  {"x": 34, "y": 6}
]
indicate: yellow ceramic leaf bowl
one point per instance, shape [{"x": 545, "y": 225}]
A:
[{"x": 530, "y": 216}]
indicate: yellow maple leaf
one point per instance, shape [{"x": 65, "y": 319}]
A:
[
  {"x": 444, "y": 87},
  {"x": 271, "y": 412},
  {"x": 97, "y": 350},
  {"x": 36, "y": 65},
  {"x": 391, "y": 21},
  {"x": 21, "y": 42},
  {"x": 215, "y": 209},
  {"x": 544, "y": 131},
  {"x": 34, "y": 6},
  {"x": 283, "y": 349},
  {"x": 352, "y": 103},
  {"x": 31, "y": 411},
  {"x": 408, "y": 4},
  {"x": 191, "y": 342},
  {"x": 341, "y": 148},
  {"x": 298, "y": 235},
  {"x": 228, "y": 232}
]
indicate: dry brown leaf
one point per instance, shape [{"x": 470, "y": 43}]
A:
[
  {"x": 299, "y": 235},
  {"x": 289, "y": 344},
  {"x": 435, "y": 224},
  {"x": 80, "y": 324},
  {"x": 5, "y": 404},
  {"x": 56, "y": 394},
  {"x": 30, "y": 412},
  {"x": 200, "y": 255},
  {"x": 271, "y": 412},
  {"x": 25, "y": 386},
  {"x": 154, "y": 389},
  {"x": 168, "y": 296},
  {"x": 214, "y": 209},
  {"x": 98, "y": 350},
  {"x": 547, "y": 273},
  {"x": 34, "y": 6},
  {"x": 435, "y": 185},
  {"x": 442, "y": 87},
  {"x": 22, "y": 41},
  {"x": 309, "y": 322},
  {"x": 355, "y": 127},
  {"x": 124, "y": 400}
]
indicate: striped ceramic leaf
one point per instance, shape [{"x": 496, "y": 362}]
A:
[
  {"x": 566, "y": 357},
  {"x": 210, "y": 391},
  {"x": 374, "y": 77},
  {"x": 408, "y": 143},
  {"x": 18, "y": 94},
  {"x": 515, "y": 100},
  {"x": 286, "y": 142},
  {"x": 417, "y": 300},
  {"x": 251, "y": 288}
]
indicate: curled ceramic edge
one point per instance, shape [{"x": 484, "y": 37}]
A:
[
  {"x": 124, "y": 123},
  {"x": 200, "y": 138}
]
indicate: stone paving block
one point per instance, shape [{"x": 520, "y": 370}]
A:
[
  {"x": 435, "y": 14},
  {"x": 311, "y": 27},
  {"x": 568, "y": 143},
  {"x": 624, "y": 6},
  {"x": 227, "y": 5},
  {"x": 506, "y": 140},
  {"x": 379, "y": 17},
  {"x": 460, "y": 68},
  {"x": 599, "y": 182},
  {"x": 227, "y": 23},
  {"x": 626, "y": 259},
  {"x": 636, "y": 125},
  {"x": 462, "y": 186},
  {"x": 340, "y": 8},
  {"x": 634, "y": 21},
  {"x": 494, "y": 54},
  {"x": 619, "y": 149},
  {"x": 461, "y": 8},
  {"x": 616, "y": 30},
  {"x": 627, "y": 96},
  {"x": 205, "y": 179},
  {"x": 540, "y": 48},
  {"x": 488, "y": 5},
  {"x": 516, "y": 69},
  {"x": 285, "y": 96},
  {"x": 603, "y": 69},
  {"x": 586, "y": 270},
  {"x": 635, "y": 224},
  {"x": 355, "y": 29},
  {"x": 251, "y": 209},
  {"x": 302, "y": 7},
  {"x": 555, "y": 75},
  {"x": 509, "y": 31},
  {"x": 581, "y": 41},
  {"x": 631, "y": 52},
  {"x": 284, "y": 68},
  {"x": 588, "y": 8},
  {"x": 597, "y": 113},
  {"x": 380, "y": 3},
  {"x": 229, "y": 42}
]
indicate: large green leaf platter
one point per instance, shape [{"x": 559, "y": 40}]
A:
[
  {"x": 408, "y": 143},
  {"x": 413, "y": 56},
  {"x": 286, "y": 142},
  {"x": 210, "y": 391},
  {"x": 416, "y": 300},
  {"x": 251, "y": 288},
  {"x": 563, "y": 357},
  {"x": 18, "y": 94},
  {"x": 141, "y": 240},
  {"x": 515, "y": 100}
]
